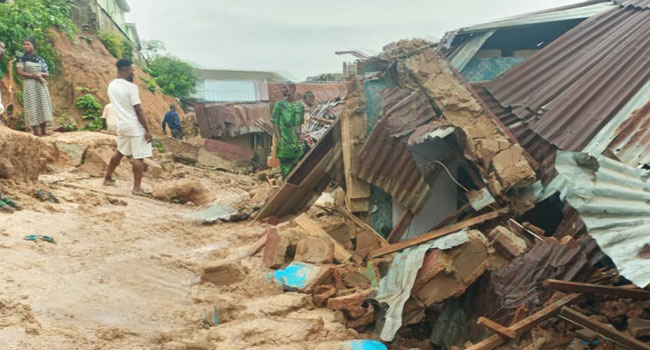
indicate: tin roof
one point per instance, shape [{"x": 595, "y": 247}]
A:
[
  {"x": 613, "y": 200},
  {"x": 572, "y": 88},
  {"x": 641, "y": 4},
  {"x": 632, "y": 142},
  {"x": 385, "y": 159},
  {"x": 227, "y": 119}
]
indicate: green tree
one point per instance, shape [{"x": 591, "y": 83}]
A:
[
  {"x": 34, "y": 18},
  {"x": 174, "y": 76}
]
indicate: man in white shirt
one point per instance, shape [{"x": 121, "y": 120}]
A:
[{"x": 133, "y": 137}]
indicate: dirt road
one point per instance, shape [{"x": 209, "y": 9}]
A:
[{"x": 124, "y": 274}]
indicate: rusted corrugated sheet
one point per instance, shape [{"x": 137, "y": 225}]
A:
[
  {"x": 229, "y": 151},
  {"x": 521, "y": 282},
  {"x": 385, "y": 160},
  {"x": 227, "y": 119},
  {"x": 632, "y": 142},
  {"x": 569, "y": 90}
]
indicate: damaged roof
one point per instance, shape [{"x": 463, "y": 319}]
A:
[
  {"x": 571, "y": 89},
  {"x": 613, "y": 200},
  {"x": 385, "y": 159},
  {"x": 228, "y": 119}
]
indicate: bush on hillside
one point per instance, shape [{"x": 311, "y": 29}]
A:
[
  {"x": 112, "y": 42},
  {"x": 174, "y": 76},
  {"x": 33, "y": 18}
]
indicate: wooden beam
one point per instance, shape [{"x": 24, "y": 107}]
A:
[
  {"x": 496, "y": 328},
  {"x": 599, "y": 327},
  {"x": 341, "y": 254},
  {"x": 596, "y": 289},
  {"x": 401, "y": 227},
  {"x": 526, "y": 324},
  {"x": 453, "y": 216},
  {"x": 437, "y": 233},
  {"x": 353, "y": 132}
]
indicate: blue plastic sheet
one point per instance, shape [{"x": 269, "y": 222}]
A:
[
  {"x": 296, "y": 276},
  {"x": 364, "y": 345}
]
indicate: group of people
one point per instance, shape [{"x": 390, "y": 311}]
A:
[{"x": 291, "y": 132}]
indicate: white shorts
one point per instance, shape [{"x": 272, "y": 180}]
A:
[{"x": 135, "y": 146}]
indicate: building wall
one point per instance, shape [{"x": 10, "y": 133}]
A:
[{"x": 114, "y": 12}]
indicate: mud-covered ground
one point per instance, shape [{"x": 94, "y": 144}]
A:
[{"x": 124, "y": 271}]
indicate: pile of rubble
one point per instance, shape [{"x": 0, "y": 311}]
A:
[{"x": 477, "y": 257}]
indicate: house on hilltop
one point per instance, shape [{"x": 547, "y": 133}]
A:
[{"x": 105, "y": 15}]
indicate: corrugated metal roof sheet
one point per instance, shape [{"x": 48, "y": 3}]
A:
[
  {"x": 632, "y": 142},
  {"x": 581, "y": 10},
  {"x": 613, "y": 200},
  {"x": 218, "y": 120},
  {"x": 642, "y": 4},
  {"x": 520, "y": 283},
  {"x": 385, "y": 159},
  {"x": 569, "y": 90}
]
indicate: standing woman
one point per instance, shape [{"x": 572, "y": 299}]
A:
[{"x": 36, "y": 95}]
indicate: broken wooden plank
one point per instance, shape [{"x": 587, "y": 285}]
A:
[
  {"x": 599, "y": 327},
  {"x": 437, "y": 233},
  {"x": 596, "y": 289},
  {"x": 340, "y": 253},
  {"x": 495, "y": 327},
  {"x": 453, "y": 216},
  {"x": 526, "y": 324},
  {"x": 353, "y": 131},
  {"x": 401, "y": 227}
]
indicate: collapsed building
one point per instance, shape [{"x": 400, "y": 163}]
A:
[{"x": 484, "y": 201}]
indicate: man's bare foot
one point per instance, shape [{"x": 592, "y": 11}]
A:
[{"x": 109, "y": 182}]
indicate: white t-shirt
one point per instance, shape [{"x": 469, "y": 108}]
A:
[{"x": 124, "y": 95}]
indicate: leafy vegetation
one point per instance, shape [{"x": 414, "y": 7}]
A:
[
  {"x": 112, "y": 42},
  {"x": 127, "y": 49},
  {"x": 158, "y": 145},
  {"x": 150, "y": 84},
  {"x": 91, "y": 108},
  {"x": 174, "y": 76},
  {"x": 34, "y": 18},
  {"x": 67, "y": 123}
]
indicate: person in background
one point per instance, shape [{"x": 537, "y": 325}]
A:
[
  {"x": 36, "y": 95},
  {"x": 288, "y": 116},
  {"x": 174, "y": 122},
  {"x": 133, "y": 137},
  {"x": 110, "y": 119}
]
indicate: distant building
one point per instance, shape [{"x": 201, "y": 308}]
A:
[
  {"x": 214, "y": 86},
  {"x": 105, "y": 15}
]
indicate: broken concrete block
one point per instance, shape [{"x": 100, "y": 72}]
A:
[
  {"x": 184, "y": 152},
  {"x": 212, "y": 160},
  {"x": 506, "y": 242},
  {"x": 353, "y": 279},
  {"x": 351, "y": 304},
  {"x": 447, "y": 274},
  {"x": 315, "y": 250},
  {"x": 223, "y": 274},
  {"x": 275, "y": 250},
  {"x": 638, "y": 327},
  {"x": 75, "y": 151}
]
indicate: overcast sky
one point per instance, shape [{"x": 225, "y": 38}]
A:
[{"x": 298, "y": 38}]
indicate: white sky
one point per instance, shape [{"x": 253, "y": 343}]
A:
[{"x": 298, "y": 38}]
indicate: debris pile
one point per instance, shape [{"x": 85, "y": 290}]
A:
[{"x": 477, "y": 253}]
